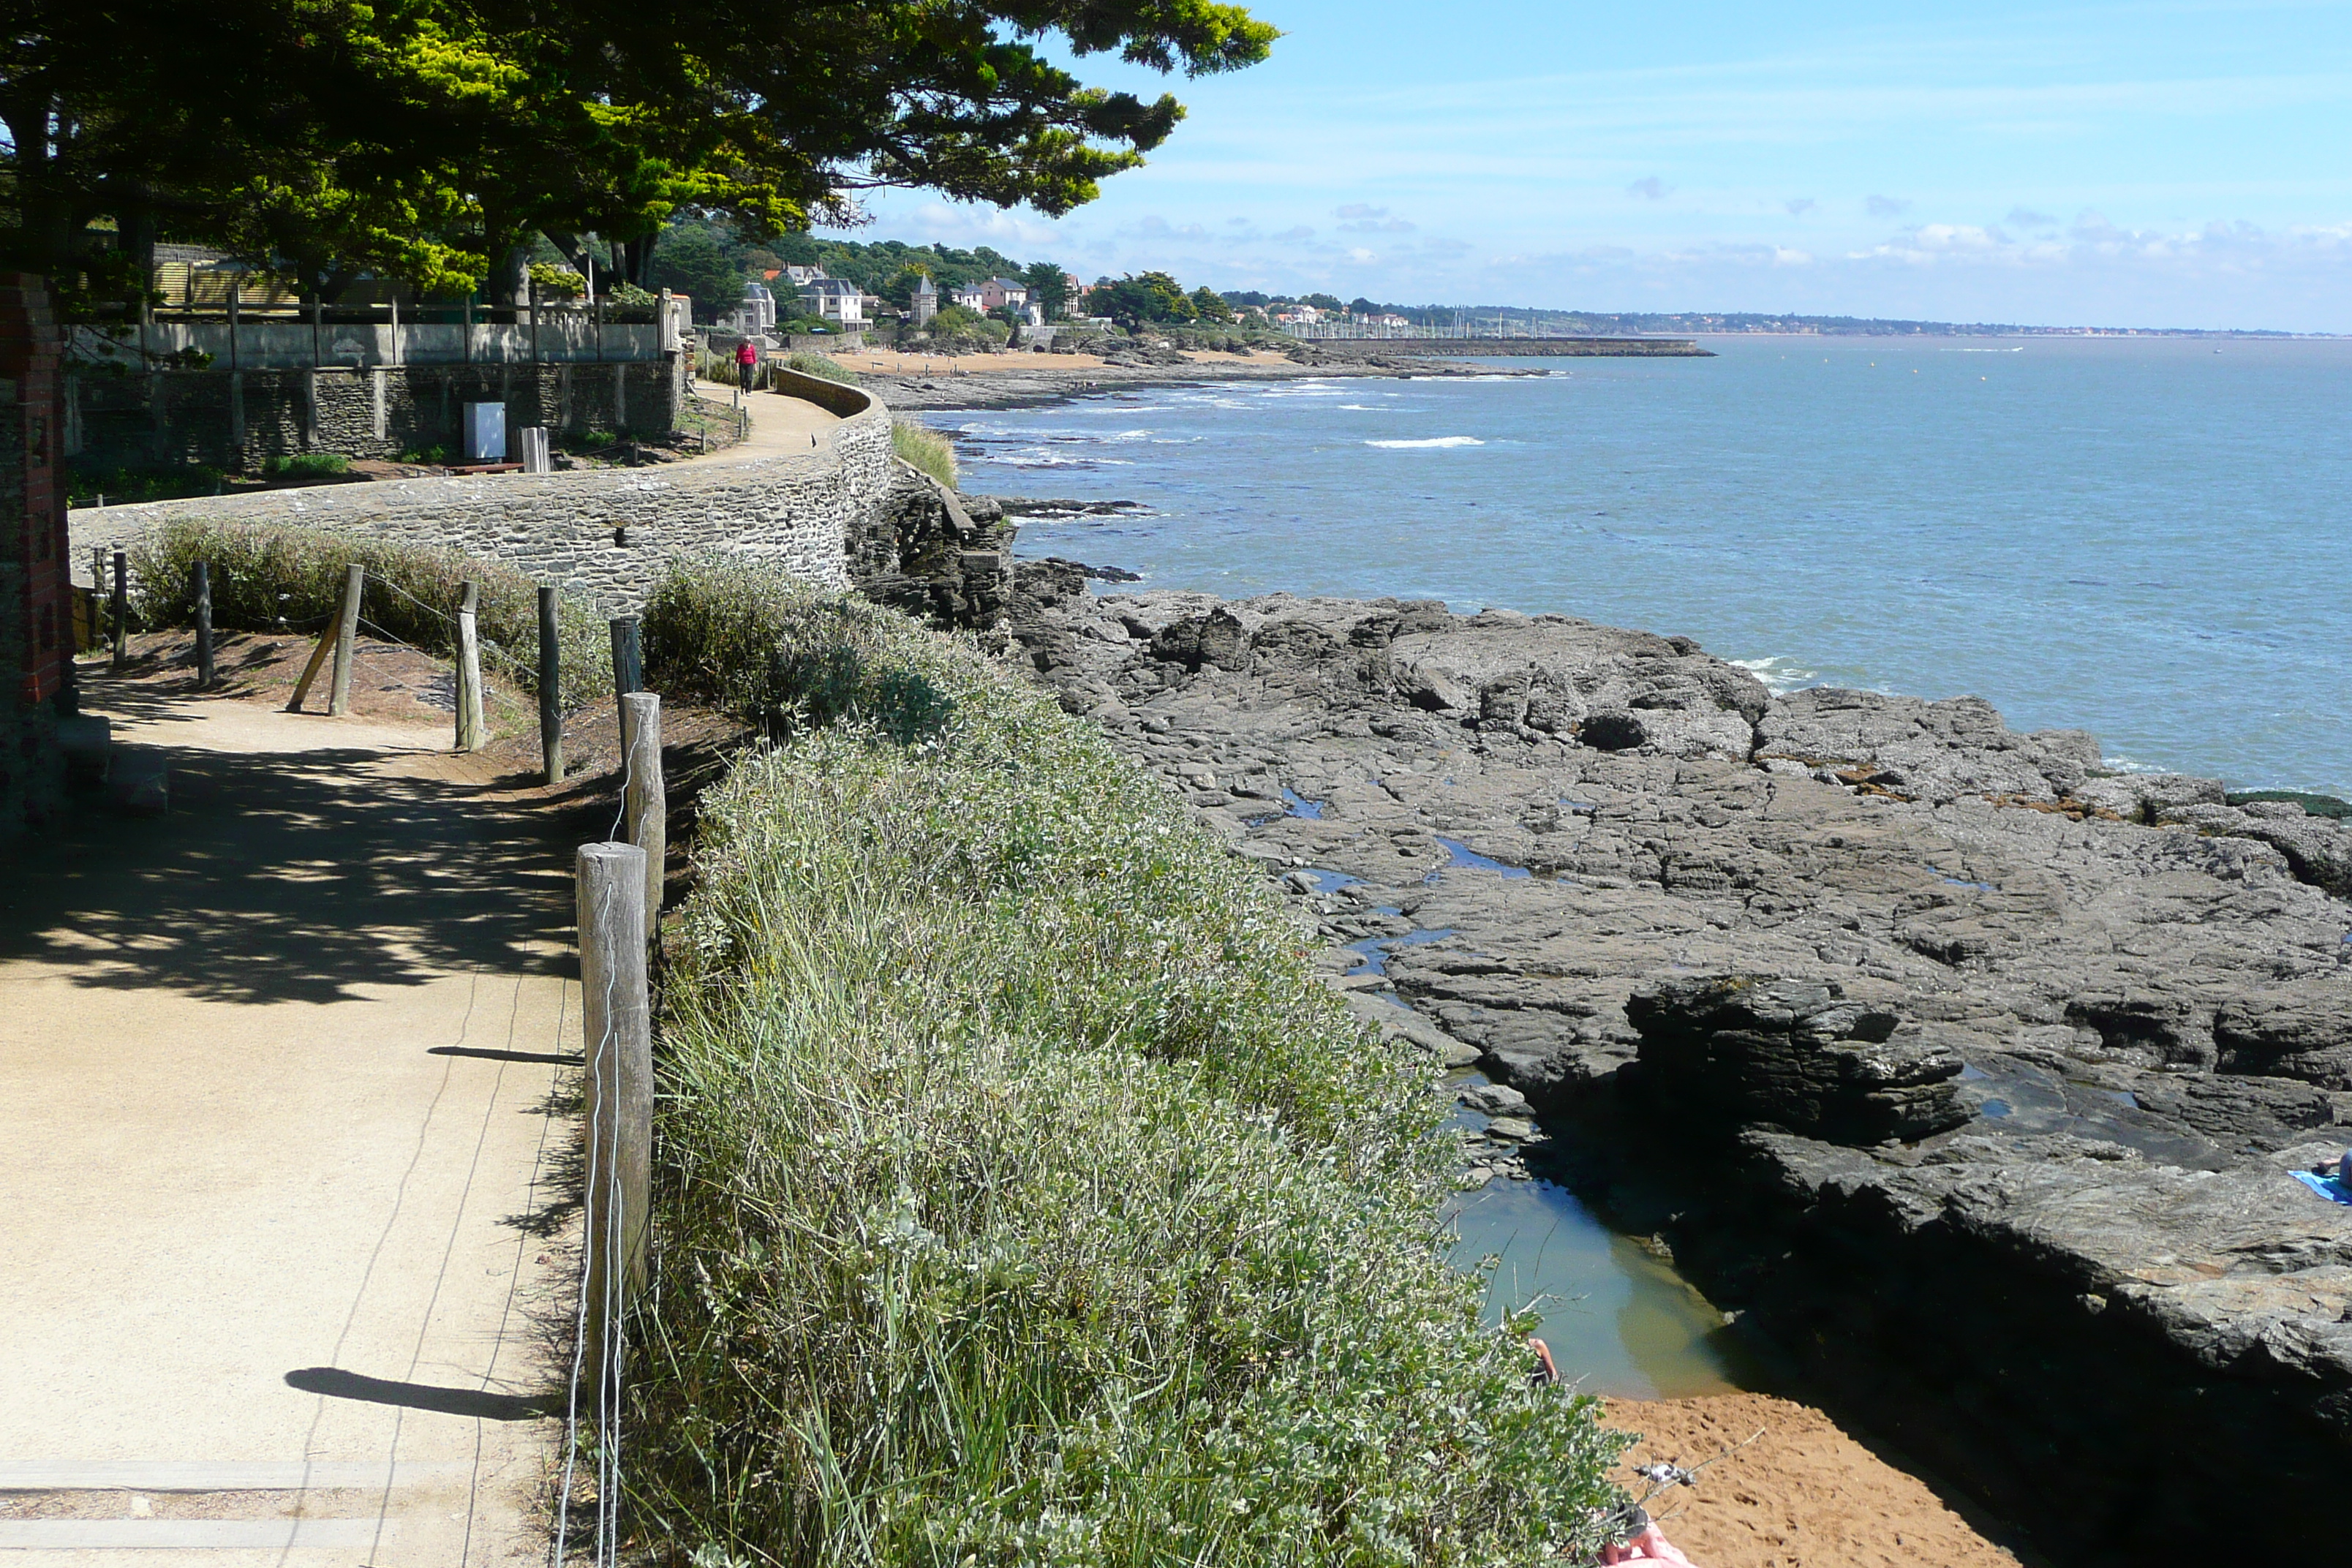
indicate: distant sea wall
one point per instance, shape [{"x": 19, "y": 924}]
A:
[
  {"x": 1353, "y": 349},
  {"x": 605, "y": 533}
]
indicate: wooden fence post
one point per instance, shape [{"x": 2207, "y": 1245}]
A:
[
  {"x": 204, "y": 586},
  {"x": 620, "y": 1069},
  {"x": 470, "y": 668},
  {"x": 550, "y": 688},
  {"x": 628, "y": 669},
  {"x": 119, "y": 611},
  {"x": 347, "y": 632},
  {"x": 644, "y": 803}
]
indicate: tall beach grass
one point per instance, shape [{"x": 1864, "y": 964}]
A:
[
  {"x": 926, "y": 448},
  {"x": 270, "y": 577},
  {"x": 1021, "y": 1197}
]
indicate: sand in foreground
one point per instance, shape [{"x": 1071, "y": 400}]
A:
[{"x": 1802, "y": 1495}]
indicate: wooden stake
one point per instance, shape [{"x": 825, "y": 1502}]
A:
[
  {"x": 204, "y": 586},
  {"x": 550, "y": 694},
  {"x": 628, "y": 669},
  {"x": 311, "y": 671},
  {"x": 119, "y": 611},
  {"x": 346, "y": 633},
  {"x": 620, "y": 1070},
  {"x": 469, "y": 670},
  {"x": 645, "y": 804}
]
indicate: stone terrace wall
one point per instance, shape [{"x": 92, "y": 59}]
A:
[
  {"x": 605, "y": 533},
  {"x": 234, "y": 419}
]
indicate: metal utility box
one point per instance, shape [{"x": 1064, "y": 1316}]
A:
[{"x": 486, "y": 432}]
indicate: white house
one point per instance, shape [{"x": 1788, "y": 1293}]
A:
[
  {"x": 999, "y": 293},
  {"x": 835, "y": 299},
  {"x": 755, "y": 315}
]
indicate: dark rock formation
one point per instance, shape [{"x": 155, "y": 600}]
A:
[
  {"x": 1748, "y": 1051},
  {"x": 934, "y": 553},
  {"x": 2011, "y": 1100}
]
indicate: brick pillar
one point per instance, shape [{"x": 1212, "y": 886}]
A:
[{"x": 35, "y": 591}]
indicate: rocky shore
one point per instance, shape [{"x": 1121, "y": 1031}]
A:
[
  {"x": 1031, "y": 381},
  {"x": 1968, "y": 1071}
]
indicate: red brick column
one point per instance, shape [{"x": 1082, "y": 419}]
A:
[
  {"x": 36, "y": 593},
  {"x": 32, "y": 493}
]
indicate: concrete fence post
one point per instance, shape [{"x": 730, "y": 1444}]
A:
[
  {"x": 470, "y": 724},
  {"x": 550, "y": 688},
  {"x": 644, "y": 803},
  {"x": 346, "y": 633},
  {"x": 203, "y": 594},
  {"x": 619, "y": 1060}
]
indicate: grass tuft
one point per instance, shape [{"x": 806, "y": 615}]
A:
[
  {"x": 823, "y": 366},
  {"x": 926, "y": 448},
  {"x": 1021, "y": 1196}
]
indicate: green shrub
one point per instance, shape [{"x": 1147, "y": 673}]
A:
[
  {"x": 306, "y": 465},
  {"x": 1020, "y": 1195},
  {"x": 926, "y": 448},
  {"x": 267, "y": 577},
  {"x": 2313, "y": 805},
  {"x": 823, "y": 366}
]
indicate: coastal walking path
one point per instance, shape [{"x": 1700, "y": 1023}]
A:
[
  {"x": 781, "y": 424},
  {"x": 279, "y": 1089}
]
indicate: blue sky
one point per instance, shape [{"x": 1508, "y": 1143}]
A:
[{"x": 2134, "y": 164}]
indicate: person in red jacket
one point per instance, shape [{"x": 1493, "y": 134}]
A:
[{"x": 747, "y": 360}]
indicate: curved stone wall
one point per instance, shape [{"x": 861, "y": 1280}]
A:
[{"x": 604, "y": 533}]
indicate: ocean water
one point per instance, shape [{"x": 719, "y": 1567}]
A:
[{"x": 2150, "y": 538}]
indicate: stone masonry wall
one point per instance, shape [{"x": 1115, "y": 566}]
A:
[
  {"x": 605, "y": 533},
  {"x": 233, "y": 420}
]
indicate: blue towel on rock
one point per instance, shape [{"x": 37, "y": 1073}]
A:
[{"x": 2327, "y": 1187}]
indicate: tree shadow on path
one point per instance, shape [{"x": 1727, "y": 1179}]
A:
[{"x": 278, "y": 876}]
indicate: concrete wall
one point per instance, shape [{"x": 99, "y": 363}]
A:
[
  {"x": 565, "y": 335},
  {"x": 235, "y": 419},
  {"x": 605, "y": 533}
]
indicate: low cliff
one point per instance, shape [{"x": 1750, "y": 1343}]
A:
[{"x": 1967, "y": 1068}]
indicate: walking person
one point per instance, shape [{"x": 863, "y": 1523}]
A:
[{"x": 747, "y": 360}]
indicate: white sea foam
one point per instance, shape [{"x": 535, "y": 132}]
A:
[
  {"x": 1433, "y": 441},
  {"x": 1778, "y": 673},
  {"x": 1050, "y": 460}
]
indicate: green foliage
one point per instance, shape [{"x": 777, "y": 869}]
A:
[
  {"x": 823, "y": 366},
  {"x": 306, "y": 465},
  {"x": 1022, "y": 1197},
  {"x": 1207, "y": 305},
  {"x": 557, "y": 282},
  {"x": 690, "y": 260},
  {"x": 120, "y": 487},
  {"x": 1142, "y": 297},
  {"x": 266, "y": 578},
  {"x": 953, "y": 318},
  {"x": 2313, "y": 805},
  {"x": 1049, "y": 287},
  {"x": 428, "y": 140},
  {"x": 924, "y": 449}
]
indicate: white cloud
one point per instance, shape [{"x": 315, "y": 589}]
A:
[
  {"x": 1887, "y": 207},
  {"x": 1798, "y": 206},
  {"x": 1649, "y": 189}
]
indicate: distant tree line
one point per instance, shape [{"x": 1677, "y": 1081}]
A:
[{"x": 710, "y": 258}]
